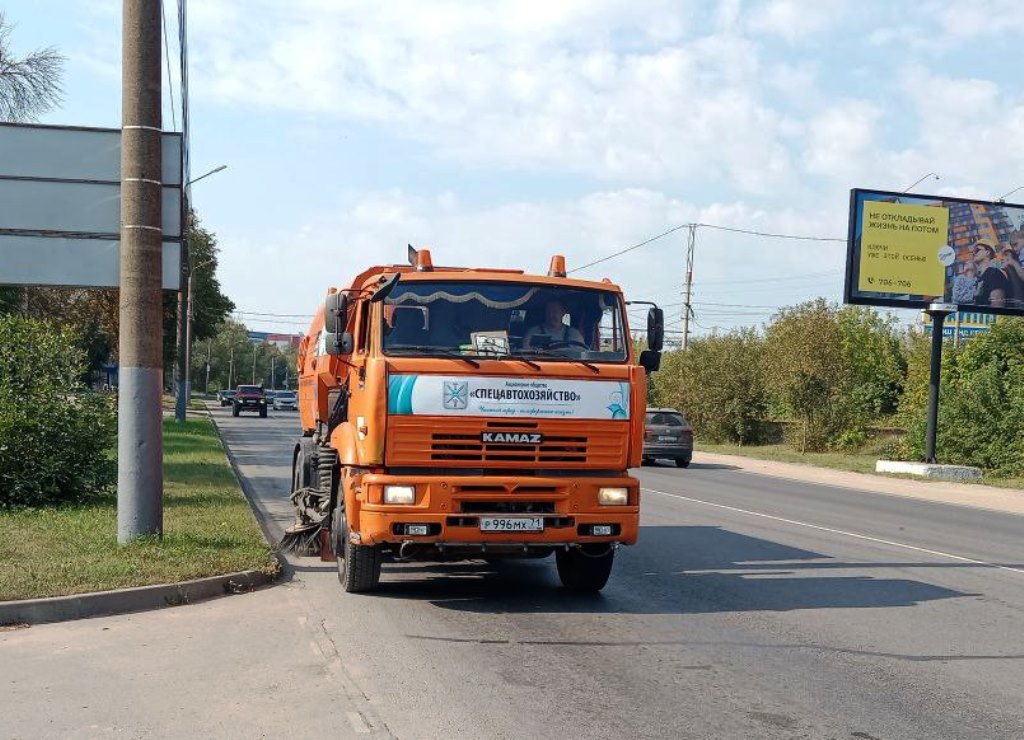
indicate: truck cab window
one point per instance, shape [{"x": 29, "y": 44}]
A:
[{"x": 466, "y": 318}]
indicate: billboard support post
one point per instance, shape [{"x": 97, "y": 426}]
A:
[{"x": 938, "y": 313}]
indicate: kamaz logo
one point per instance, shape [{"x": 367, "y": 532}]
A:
[{"x": 511, "y": 438}]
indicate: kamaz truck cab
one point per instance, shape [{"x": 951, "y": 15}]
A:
[{"x": 469, "y": 413}]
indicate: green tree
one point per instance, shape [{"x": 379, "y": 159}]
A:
[
  {"x": 30, "y": 85},
  {"x": 718, "y": 382},
  {"x": 981, "y": 405},
  {"x": 807, "y": 372},
  {"x": 874, "y": 357}
]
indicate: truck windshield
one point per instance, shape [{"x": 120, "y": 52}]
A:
[{"x": 504, "y": 319}]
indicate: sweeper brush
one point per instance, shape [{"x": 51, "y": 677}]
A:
[{"x": 302, "y": 539}]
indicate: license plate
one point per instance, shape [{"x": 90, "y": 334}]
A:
[
  {"x": 668, "y": 439},
  {"x": 511, "y": 524}
]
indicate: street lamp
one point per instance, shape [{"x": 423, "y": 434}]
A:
[
  {"x": 1002, "y": 198},
  {"x": 185, "y": 317},
  {"x": 214, "y": 171},
  {"x": 919, "y": 181}
]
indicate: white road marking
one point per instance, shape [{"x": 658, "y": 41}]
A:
[{"x": 843, "y": 532}]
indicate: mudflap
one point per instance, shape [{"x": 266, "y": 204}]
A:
[{"x": 326, "y": 549}]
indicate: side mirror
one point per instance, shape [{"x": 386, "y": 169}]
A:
[
  {"x": 650, "y": 360},
  {"x": 655, "y": 329},
  {"x": 336, "y": 312},
  {"x": 340, "y": 344},
  {"x": 385, "y": 288}
]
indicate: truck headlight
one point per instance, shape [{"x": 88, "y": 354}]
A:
[
  {"x": 613, "y": 496},
  {"x": 399, "y": 494}
]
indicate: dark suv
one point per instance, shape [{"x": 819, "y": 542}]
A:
[
  {"x": 667, "y": 435},
  {"x": 249, "y": 398}
]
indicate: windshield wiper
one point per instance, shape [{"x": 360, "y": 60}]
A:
[
  {"x": 434, "y": 351},
  {"x": 546, "y": 352}
]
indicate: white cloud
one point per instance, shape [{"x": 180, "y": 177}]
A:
[
  {"x": 608, "y": 89},
  {"x": 843, "y": 141},
  {"x": 796, "y": 20}
]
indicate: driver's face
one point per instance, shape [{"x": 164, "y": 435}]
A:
[{"x": 553, "y": 313}]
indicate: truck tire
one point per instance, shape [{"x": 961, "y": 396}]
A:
[
  {"x": 682, "y": 462},
  {"x": 234, "y": 410},
  {"x": 358, "y": 565},
  {"x": 263, "y": 412},
  {"x": 583, "y": 570}
]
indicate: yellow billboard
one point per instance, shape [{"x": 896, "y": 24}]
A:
[{"x": 900, "y": 248}]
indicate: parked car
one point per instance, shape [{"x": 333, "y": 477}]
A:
[
  {"x": 667, "y": 435},
  {"x": 249, "y": 398},
  {"x": 286, "y": 400},
  {"x": 225, "y": 397}
]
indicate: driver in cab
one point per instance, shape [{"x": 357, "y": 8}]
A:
[{"x": 553, "y": 331}]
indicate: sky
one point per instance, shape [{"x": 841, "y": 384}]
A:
[{"x": 500, "y": 133}]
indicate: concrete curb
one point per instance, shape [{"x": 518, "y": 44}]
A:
[
  {"x": 145, "y": 598},
  {"x": 126, "y": 600}
]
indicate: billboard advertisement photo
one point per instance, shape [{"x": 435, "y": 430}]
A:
[{"x": 909, "y": 251}]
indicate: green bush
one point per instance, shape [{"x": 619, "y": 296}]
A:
[
  {"x": 54, "y": 434},
  {"x": 719, "y": 384},
  {"x": 981, "y": 405}
]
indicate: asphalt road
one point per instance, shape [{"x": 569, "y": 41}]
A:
[{"x": 752, "y": 607}]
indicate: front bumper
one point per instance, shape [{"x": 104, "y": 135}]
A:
[{"x": 452, "y": 507}]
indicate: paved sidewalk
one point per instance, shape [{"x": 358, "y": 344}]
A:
[{"x": 1009, "y": 500}]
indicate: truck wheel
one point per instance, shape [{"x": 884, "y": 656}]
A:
[
  {"x": 234, "y": 410},
  {"x": 263, "y": 412},
  {"x": 582, "y": 569},
  {"x": 358, "y": 565},
  {"x": 682, "y": 462}
]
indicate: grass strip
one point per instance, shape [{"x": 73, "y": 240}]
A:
[{"x": 209, "y": 530}]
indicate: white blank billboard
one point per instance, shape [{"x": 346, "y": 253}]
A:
[{"x": 60, "y": 206}]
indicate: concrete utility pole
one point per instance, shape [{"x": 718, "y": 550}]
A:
[
  {"x": 691, "y": 241},
  {"x": 254, "y": 348},
  {"x": 209, "y": 353},
  {"x": 231, "y": 370},
  {"x": 140, "y": 346}
]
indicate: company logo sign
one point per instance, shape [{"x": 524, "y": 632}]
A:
[
  {"x": 455, "y": 395},
  {"x": 511, "y": 438}
]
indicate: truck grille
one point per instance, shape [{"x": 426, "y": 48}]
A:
[
  {"x": 458, "y": 443},
  {"x": 468, "y": 447}
]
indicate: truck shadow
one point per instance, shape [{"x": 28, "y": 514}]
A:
[{"x": 673, "y": 570}]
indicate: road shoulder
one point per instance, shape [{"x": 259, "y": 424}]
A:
[{"x": 1007, "y": 500}]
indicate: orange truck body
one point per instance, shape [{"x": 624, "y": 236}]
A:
[{"x": 349, "y": 410}]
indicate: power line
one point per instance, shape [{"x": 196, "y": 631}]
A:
[
  {"x": 732, "y": 229},
  {"x": 167, "y": 57},
  {"x": 794, "y": 237},
  {"x": 630, "y": 249},
  {"x": 279, "y": 315}
]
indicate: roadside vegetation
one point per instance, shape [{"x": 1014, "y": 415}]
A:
[
  {"x": 209, "y": 529},
  {"x": 841, "y": 386},
  {"x": 58, "y": 505}
]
